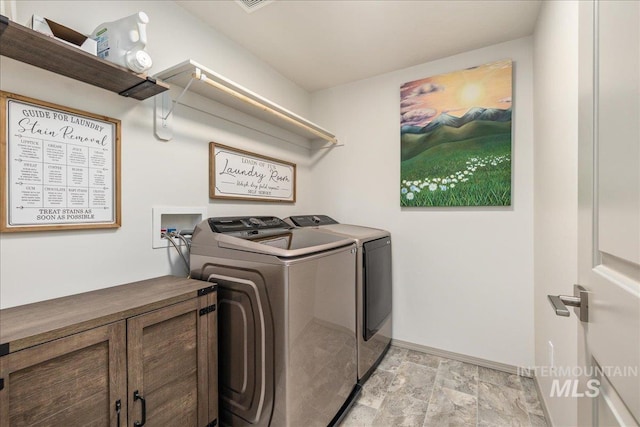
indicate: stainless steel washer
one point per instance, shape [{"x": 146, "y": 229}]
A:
[
  {"x": 373, "y": 285},
  {"x": 286, "y": 313}
]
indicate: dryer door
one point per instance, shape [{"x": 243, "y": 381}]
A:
[{"x": 377, "y": 285}]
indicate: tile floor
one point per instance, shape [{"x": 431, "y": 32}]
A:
[{"x": 415, "y": 389}]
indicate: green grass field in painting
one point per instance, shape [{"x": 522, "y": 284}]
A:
[{"x": 467, "y": 172}]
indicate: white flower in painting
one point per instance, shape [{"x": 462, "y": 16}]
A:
[
  {"x": 443, "y": 188},
  {"x": 416, "y": 182},
  {"x": 404, "y": 190},
  {"x": 408, "y": 184},
  {"x": 433, "y": 187},
  {"x": 452, "y": 185},
  {"x": 413, "y": 188},
  {"x": 409, "y": 196}
]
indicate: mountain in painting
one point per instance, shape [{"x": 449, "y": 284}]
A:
[
  {"x": 476, "y": 113},
  {"x": 477, "y": 122}
]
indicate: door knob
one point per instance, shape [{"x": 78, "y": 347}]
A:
[{"x": 579, "y": 300}]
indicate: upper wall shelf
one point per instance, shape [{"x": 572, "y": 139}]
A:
[
  {"x": 25, "y": 45},
  {"x": 196, "y": 78}
]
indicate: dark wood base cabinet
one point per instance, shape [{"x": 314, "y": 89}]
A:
[
  {"x": 142, "y": 354},
  {"x": 69, "y": 381}
]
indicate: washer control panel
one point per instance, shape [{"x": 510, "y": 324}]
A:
[{"x": 246, "y": 225}]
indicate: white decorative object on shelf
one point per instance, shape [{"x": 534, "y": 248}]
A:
[
  {"x": 194, "y": 77},
  {"x": 123, "y": 42}
]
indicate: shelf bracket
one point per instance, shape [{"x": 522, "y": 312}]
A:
[
  {"x": 164, "y": 107},
  {"x": 163, "y": 120}
]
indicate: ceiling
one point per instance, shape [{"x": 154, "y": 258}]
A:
[{"x": 324, "y": 43}]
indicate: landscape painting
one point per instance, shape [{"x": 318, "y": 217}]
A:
[{"x": 455, "y": 138}]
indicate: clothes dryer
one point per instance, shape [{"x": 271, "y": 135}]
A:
[
  {"x": 286, "y": 313},
  {"x": 373, "y": 286}
]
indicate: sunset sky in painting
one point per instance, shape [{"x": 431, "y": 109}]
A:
[{"x": 488, "y": 86}]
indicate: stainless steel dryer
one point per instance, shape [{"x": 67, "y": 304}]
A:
[
  {"x": 286, "y": 313},
  {"x": 373, "y": 285}
]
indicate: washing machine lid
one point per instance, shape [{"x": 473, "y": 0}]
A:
[
  {"x": 265, "y": 235},
  {"x": 357, "y": 232}
]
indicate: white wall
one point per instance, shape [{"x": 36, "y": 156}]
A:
[
  {"x": 556, "y": 192},
  {"x": 463, "y": 277},
  {"x": 41, "y": 265}
]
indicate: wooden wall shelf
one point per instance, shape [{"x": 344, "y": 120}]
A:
[{"x": 31, "y": 47}]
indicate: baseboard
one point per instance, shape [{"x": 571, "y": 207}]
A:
[
  {"x": 511, "y": 369},
  {"x": 543, "y": 403}
]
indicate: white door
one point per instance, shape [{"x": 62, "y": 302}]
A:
[{"x": 609, "y": 212}]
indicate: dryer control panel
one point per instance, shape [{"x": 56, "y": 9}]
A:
[{"x": 311, "y": 220}]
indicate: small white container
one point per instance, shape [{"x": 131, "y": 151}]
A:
[{"x": 123, "y": 42}]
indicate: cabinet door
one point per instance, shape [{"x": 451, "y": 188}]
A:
[
  {"x": 71, "y": 381},
  {"x": 167, "y": 352},
  {"x": 212, "y": 357}
]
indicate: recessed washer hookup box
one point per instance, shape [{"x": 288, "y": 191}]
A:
[{"x": 64, "y": 34}]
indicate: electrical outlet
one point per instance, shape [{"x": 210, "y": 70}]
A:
[{"x": 551, "y": 361}]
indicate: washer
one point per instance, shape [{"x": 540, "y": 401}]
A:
[
  {"x": 286, "y": 313},
  {"x": 373, "y": 286}
]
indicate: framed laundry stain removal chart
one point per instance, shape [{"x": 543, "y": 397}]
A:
[
  {"x": 60, "y": 167},
  {"x": 455, "y": 138}
]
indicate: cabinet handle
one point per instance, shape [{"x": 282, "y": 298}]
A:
[
  {"x": 118, "y": 408},
  {"x": 138, "y": 396}
]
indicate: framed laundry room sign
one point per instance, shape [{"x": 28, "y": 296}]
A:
[
  {"x": 60, "y": 167},
  {"x": 241, "y": 175}
]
